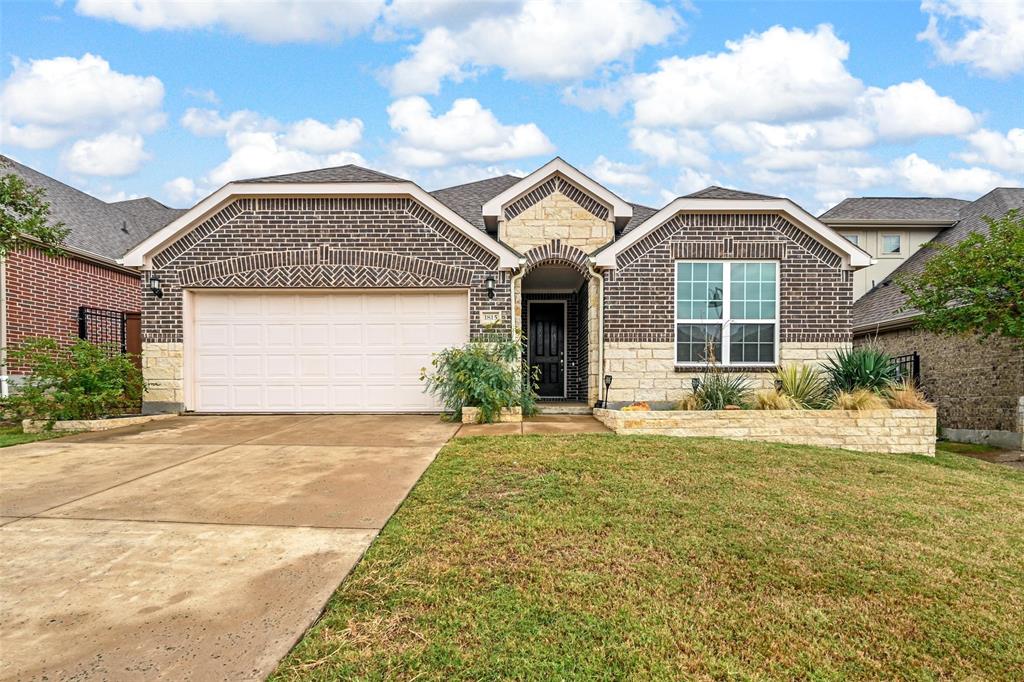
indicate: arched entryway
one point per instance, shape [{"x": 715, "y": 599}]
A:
[{"x": 557, "y": 318}]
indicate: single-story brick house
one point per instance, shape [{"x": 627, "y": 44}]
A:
[
  {"x": 328, "y": 290},
  {"x": 977, "y": 385},
  {"x": 41, "y": 295}
]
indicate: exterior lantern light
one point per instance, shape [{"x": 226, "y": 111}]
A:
[
  {"x": 489, "y": 283},
  {"x": 778, "y": 385},
  {"x": 154, "y": 286},
  {"x": 607, "y": 385},
  {"x": 695, "y": 382}
]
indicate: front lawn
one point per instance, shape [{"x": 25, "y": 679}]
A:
[{"x": 603, "y": 557}]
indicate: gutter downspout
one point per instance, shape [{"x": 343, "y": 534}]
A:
[
  {"x": 516, "y": 278},
  {"x": 600, "y": 323}
]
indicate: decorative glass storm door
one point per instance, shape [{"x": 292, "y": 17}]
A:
[{"x": 547, "y": 347}]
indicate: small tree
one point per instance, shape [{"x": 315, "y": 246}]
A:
[
  {"x": 25, "y": 218},
  {"x": 974, "y": 286}
]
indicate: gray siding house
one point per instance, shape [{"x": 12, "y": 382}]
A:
[{"x": 328, "y": 290}]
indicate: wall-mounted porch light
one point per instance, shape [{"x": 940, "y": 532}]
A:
[
  {"x": 695, "y": 382},
  {"x": 154, "y": 286},
  {"x": 778, "y": 385},
  {"x": 489, "y": 283}
]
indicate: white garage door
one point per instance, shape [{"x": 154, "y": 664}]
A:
[{"x": 320, "y": 352}]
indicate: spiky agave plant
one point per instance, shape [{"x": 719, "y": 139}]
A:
[
  {"x": 862, "y": 367},
  {"x": 806, "y": 385}
]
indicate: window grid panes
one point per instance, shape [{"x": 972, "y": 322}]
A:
[
  {"x": 743, "y": 295},
  {"x": 891, "y": 244}
]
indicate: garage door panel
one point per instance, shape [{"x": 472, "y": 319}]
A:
[{"x": 310, "y": 352}]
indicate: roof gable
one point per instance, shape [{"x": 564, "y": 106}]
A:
[
  {"x": 621, "y": 210},
  {"x": 346, "y": 173}
]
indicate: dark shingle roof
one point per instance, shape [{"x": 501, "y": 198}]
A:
[
  {"x": 347, "y": 173},
  {"x": 468, "y": 200},
  {"x": 640, "y": 214},
  {"x": 96, "y": 226},
  {"x": 895, "y": 208},
  {"x": 884, "y": 301},
  {"x": 715, "y": 192}
]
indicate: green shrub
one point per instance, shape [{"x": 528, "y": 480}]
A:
[
  {"x": 78, "y": 381},
  {"x": 487, "y": 373},
  {"x": 718, "y": 389},
  {"x": 806, "y": 385},
  {"x": 863, "y": 367}
]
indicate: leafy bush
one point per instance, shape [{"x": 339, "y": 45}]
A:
[
  {"x": 906, "y": 396},
  {"x": 806, "y": 385},
  {"x": 78, "y": 381},
  {"x": 717, "y": 390},
  {"x": 863, "y": 367},
  {"x": 770, "y": 399},
  {"x": 859, "y": 399},
  {"x": 487, "y": 373}
]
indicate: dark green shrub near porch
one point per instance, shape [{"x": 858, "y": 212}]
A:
[{"x": 82, "y": 380}]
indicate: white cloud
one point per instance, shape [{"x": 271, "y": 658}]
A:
[
  {"x": 107, "y": 154},
  {"x": 618, "y": 173},
  {"x": 46, "y": 101},
  {"x": 181, "y": 191},
  {"x": 683, "y": 147},
  {"x": 545, "y": 40},
  {"x": 260, "y": 145},
  {"x": 914, "y": 109},
  {"x": 269, "y": 21},
  {"x": 989, "y": 35},
  {"x": 206, "y": 95},
  {"x": 313, "y": 136},
  {"x": 777, "y": 75},
  {"x": 466, "y": 132},
  {"x": 995, "y": 149},
  {"x": 927, "y": 178}
]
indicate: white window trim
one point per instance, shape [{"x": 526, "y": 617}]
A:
[
  {"x": 902, "y": 236},
  {"x": 725, "y": 321}
]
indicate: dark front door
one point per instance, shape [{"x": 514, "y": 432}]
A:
[{"x": 547, "y": 347}]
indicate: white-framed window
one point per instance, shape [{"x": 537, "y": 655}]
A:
[
  {"x": 729, "y": 307},
  {"x": 852, "y": 238},
  {"x": 892, "y": 245}
]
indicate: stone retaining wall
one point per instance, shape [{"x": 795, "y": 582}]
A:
[{"x": 891, "y": 431}]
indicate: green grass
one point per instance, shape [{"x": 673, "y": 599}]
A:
[
  {"x": 11, "y": 434},
  {"x": 964, "y": 448},
  {"x": 602, "y": 557}
]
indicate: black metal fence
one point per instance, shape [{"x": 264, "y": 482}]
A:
[
  {"x": 107, "y": 327},
  {"x": 909, "y": 367}
]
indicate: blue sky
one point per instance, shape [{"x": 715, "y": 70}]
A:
[{"x": 816, "y": 101}]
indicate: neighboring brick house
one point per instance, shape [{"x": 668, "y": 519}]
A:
[
  {"x": 328, "y": 290},
  {"x": 40, "y": 295},
  {"x": 977, "y": 385}
]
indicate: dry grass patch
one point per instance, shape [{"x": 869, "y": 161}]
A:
[{"x": 604, "y": 557}]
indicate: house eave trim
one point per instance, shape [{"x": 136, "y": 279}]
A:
[
  {"x": 141, "y": 255},
  {"x": 890, "y": 324},
  {"x": 853, "y": 257},
  {"x": 621, "y": 209}
]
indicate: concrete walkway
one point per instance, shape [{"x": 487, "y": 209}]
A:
[
  {"x": 198, "y": 548},
  {"x": 541, "y": 424}
]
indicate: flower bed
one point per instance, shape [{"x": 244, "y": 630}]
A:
[{"x": 891, "y": 431}]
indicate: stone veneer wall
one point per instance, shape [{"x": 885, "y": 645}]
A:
[
  {"x": 977, "y": 386},
  {"x": 310, "y": 243},
  {"x": 888, "y": 431},
  {"x": 646, "y": 370},
  {"x": 556, "y": 209}
]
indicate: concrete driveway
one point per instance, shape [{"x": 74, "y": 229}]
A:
[{"x": 194, "y": 548}]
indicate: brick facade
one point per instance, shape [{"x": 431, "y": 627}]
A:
[
  {"x": 977, "y": 386},
  {"x": 337, "y": 243},
  {"x": 45, "y": 293},
  {"x": 814, "y": 308}
]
